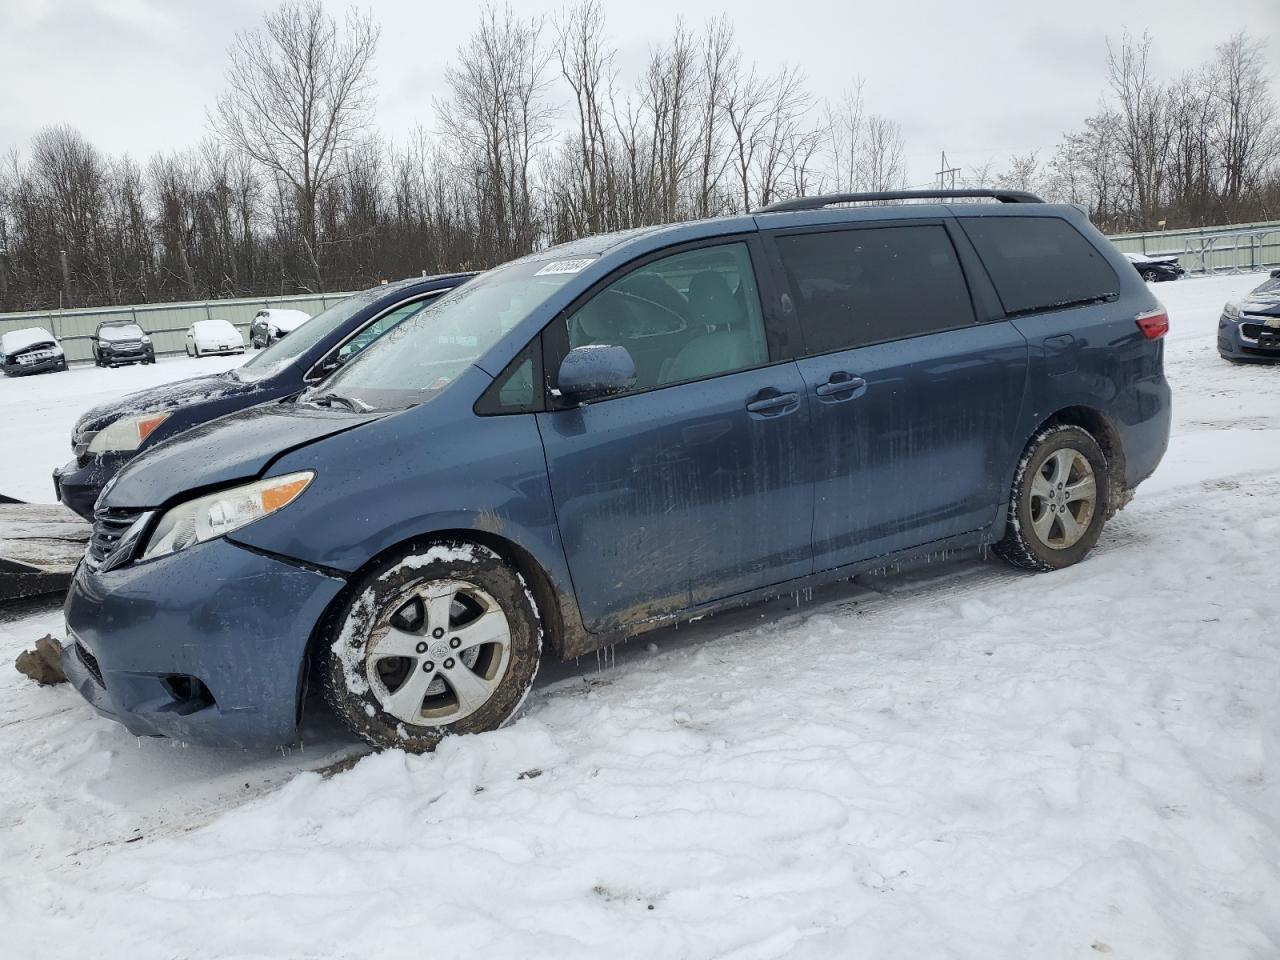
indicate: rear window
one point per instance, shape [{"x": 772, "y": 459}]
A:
[
  {"x": 1040, "y": 263},
  {"x": 858, "y": 287}
]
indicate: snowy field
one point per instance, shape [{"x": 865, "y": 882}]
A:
[{"x": 961, "y": 762}]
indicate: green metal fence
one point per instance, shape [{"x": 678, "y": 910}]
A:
[
  {"x": 1236, "y": 248},
  {"x": 166, "y": 323}
]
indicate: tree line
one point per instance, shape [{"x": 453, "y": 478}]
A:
[{"x": 537, "y": 139}]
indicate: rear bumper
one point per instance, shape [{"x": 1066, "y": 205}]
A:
[
  {"x": 207, "y": 645},
  {"x": 1144, "y": 436}
]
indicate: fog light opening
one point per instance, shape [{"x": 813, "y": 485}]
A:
[{"x": 189, "y": 694}]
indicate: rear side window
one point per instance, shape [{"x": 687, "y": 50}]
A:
[
  {"x": 857, "y": 287},
  {"x": 1040, "y": 263}
]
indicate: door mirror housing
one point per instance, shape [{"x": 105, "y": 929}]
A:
[
  {"x": 595, "y": 372},
  {"x": 326, "y": 366}
]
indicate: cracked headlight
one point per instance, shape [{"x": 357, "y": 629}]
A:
[
  {"x": 217, "y": 514},
  {"x": 127, "y": 433}
]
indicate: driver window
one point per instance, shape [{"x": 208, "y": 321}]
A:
[{"x": 684, "y": 317}]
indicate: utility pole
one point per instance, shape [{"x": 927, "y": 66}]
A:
[{"x": 947, "y": 175}]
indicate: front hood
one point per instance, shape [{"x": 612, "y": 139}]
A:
[
  {"x": 167, "y": 396},
  {"x": 288, "y": 324},
  {"x": 235, "y": 447},
  {"x": 1265, "y": 303}
]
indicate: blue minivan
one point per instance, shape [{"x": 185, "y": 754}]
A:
[{"x": 613, "y": 435}]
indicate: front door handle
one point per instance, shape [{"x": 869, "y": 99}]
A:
[
  {"x": 771, "y": 403},
  {"x": 841, "y": 386}
]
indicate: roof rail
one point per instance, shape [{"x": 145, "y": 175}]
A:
[{"x": 826, "y": 200}]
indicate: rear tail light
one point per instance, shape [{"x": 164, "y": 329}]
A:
[{"x": 1154, "y": 324}]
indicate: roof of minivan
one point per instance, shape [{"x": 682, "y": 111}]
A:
[{"x": 598, "y": 245}]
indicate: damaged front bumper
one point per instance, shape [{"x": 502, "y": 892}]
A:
[{"x": 208, "y": 645}]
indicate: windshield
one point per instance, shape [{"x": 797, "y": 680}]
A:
[
  {"x": 281, "y": 352},
  {"x": 123, "y": 331},
  {"x": 427, "y": 352}
]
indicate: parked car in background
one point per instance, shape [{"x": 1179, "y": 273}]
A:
[
  {"x": 30, "y": 350},
  {"x": 107, "y": 437},
  {"x": 121, "y": 341},
  {"x": 616, "y": 434},
  {"x": 271, "y": 325},
  {"x": 213, "y": 337},
  {"x": 1156, "y": 269},
  {"x": 1249, "y": 328}
]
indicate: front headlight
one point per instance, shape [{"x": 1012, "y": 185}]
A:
[
  {"x": 1231, "y": 310},
  {"x": 146, "y": 339},
  {"x": 127, "y": 433},
  {"x": 217, "y": 514}
]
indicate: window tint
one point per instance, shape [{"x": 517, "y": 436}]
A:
[
  {"x": 1039, "y": 263},
  {"x": 684, "y": 317},
  {"x": 855, "y": 287}
]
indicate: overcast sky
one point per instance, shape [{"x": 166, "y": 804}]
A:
[{"x": 980, "y": 79}]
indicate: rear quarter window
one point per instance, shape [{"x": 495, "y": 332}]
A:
[{"x": 1040, "y": 263}]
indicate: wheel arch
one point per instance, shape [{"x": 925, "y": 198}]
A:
[
  {"x": 1100, "y": 427},
  {"x": 562, "y": 627}
]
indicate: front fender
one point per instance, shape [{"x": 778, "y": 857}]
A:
[{"x": 434, "y": 468}]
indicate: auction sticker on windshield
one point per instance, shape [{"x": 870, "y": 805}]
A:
[{"x": 564, "y": 266}]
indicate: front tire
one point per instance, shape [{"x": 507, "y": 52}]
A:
[
  {"x": 439, "y": 639},
  {"x": 1151, "y": 276},
  {"x": 1059, "y": 501}
]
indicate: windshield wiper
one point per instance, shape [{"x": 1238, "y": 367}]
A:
[{"x": 329, "y": 399}]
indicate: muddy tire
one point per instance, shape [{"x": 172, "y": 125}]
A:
[
  {"x": 1059, "y": 501},
  {"x": 440, "y": 639}
]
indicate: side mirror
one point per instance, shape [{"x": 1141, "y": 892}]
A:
[
  {"x": 1275, "y": 274},
  {"x": 595, "y": 372},
  {"x": 329, "y": 364}
]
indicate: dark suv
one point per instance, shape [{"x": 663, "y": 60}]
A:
[
  {"x": 620, "y": 433},
  {"x": 121, "y": 341},
  {"x": 108, "y": 436}
]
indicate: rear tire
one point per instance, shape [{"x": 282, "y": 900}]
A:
[
  {"x": 1059, "y": 500},
  {"x": 439, "y": 639}
]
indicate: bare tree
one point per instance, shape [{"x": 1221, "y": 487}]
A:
[
  {"x": 883, "y": 162},
  {"x": 587, "y": 66},
  {"x": 299, "y": 92},
  {"x": 1144, "y": 133},
  {"x": 497, "y": 119},
  {"x": 1245, "y": 124}
]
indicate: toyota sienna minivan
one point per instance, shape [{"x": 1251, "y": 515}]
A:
[{"x": 616, "y": 434}]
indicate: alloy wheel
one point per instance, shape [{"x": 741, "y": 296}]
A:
[
  {"x": 1064, "y": 496},
  {"x": 438, "y": 652}
]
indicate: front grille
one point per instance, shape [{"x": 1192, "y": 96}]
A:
[
  {"x": 90, "y": 663},
  {"x": 1268, "y": 336},
  {"x": 108, "y": 527}
]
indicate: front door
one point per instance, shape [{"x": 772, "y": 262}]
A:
[
  {"x": 693, "y": 486},
  {"x": 913, "y": 402}
]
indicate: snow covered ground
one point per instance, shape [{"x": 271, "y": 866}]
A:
[
  {"x": 960, "y": 762},
  {"x": 38, "y": 412}
]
